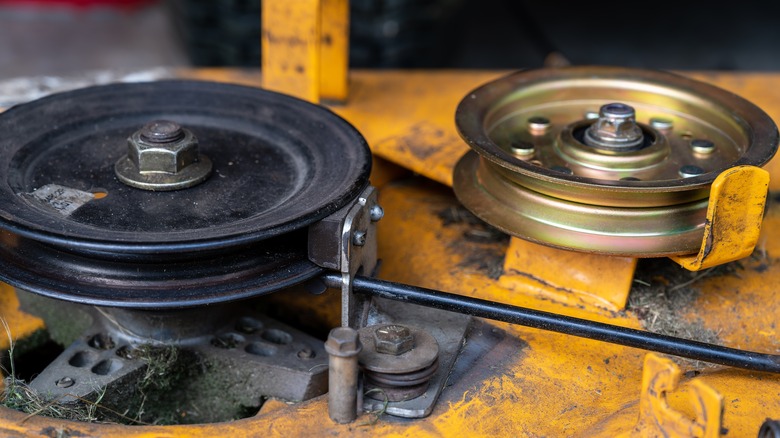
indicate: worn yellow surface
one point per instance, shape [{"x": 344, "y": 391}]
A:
[
  {"x": 657, "y": 418},
  {"x": 20, "y": 324},
  {"x": 334, "y": 50},
  {"x": 567, "y": 276},
  {"x": 305, "y": 48},
  {"x": 290, "y": 43},
  {"x": 734, "y": 215},
  {"x": 533, "y": 383}
]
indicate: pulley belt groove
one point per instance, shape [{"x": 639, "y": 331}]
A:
[{"x": 562, "y": 324}]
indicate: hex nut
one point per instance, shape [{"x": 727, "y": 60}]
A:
[
  {"x": 167, "y": 157},
  {"x": 343, "y": 342},
  {"x": 393, "y": 339}
]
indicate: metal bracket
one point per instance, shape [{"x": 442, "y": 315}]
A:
[
  {"x": 305, "y": 48},
  {"x": 657, "y": 418},
  {"x": 352, "y": 253},
  {"x": 734, "y": 216}
]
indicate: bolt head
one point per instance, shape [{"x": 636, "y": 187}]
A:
[
  {"x": 376, "y": 213},
  {"x": 159, "y": 148},
  {"x": 359, "y": 238},
  {"x": 615, "y": 128},
  {"x": 65, "y": 382},
  {"x": 689, "y": 171},
  {"x": 343, "y": 342},
  {"x": 393, "y": 339}
]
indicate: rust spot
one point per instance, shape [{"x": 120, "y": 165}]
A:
[
  {"x": 423, "y": 140},
  {"x": 327, "y": 39},
  {"x": 482, "y": 247}
]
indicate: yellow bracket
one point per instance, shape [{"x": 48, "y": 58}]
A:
[
  {"x": 568, "y": 277},
  {"x": 657, "y": 419},
  {"x": 734, "y": 215},
  {"x": 305, "y": 48}
]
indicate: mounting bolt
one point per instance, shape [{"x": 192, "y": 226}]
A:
[
  {"x": 65, "y": 382},
  {"x": 343, "y": 346},
  {"x": 661, "y": 124},
  {"x": 305, "y": 353},
  {"x": 702, "y": 146},
  {"x": 162, "y": 156},
  {"x": 376, "y": 212},
  {"x": 522, "y": 148},
  {"x": 615, "y": 129},
  {"x": 161, "y": 131},
  {"x": 359, "y": 238},
  {"x": 393, "y": 339},
  {"x": 538, "y": 125}
]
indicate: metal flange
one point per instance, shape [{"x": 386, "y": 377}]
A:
[{"x": 604, "y": 160}]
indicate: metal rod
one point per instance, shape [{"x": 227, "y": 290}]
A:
[{"x": 562, "y": 324}]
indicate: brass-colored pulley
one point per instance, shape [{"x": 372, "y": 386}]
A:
[{"x": 602, "y": 159}]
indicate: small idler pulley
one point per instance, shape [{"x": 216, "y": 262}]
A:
[{"x": 604, "y": 160}]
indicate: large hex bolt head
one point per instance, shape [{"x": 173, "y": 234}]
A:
[
  {"x": 343, "y": 342},
  {"x": 162, "y": 146},
  {"x": 393, "y": 339}
]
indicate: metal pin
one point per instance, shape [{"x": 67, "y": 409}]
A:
[
  {"x": 343, "y": 346},
  {"x": 689, "y": 171},
  {"x": 538, "y": 125},
  {"x": 701, "y": 146}
]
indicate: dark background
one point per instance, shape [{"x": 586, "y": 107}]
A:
[{"x": 61, "y": 36}]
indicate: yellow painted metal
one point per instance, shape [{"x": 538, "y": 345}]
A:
[
  {"x": 534, "y": 383},
  {"x": 334, "y": 50},
  {"x": 567, "y": 276},
  {"x": 657, "y": 418},
  {"x": 305, "y": 47},
  {"x": 20, "y": 324},
  {"x": 734, "y": 216},
  {"x": 290, "y": 45}
]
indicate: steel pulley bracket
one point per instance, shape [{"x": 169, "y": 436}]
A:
[{"x": 353, "y": 251}]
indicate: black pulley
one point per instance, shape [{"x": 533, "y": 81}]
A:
[{"x": 170, "y": 193}]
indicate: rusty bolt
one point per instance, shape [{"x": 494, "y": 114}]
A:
[
  {"x": 343, "y": 342},
  {"x": 162, "y": 146},
  {"x": 343, "y": 346},
  {"x": 393, "y": 339}
]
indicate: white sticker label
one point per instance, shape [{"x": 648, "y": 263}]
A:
[{"x": 64, "y": 200}]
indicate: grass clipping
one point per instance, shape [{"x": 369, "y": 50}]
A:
[{"x": 18, "y": 395}]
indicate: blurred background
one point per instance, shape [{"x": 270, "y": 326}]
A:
[{"x": 60, "y": 37}]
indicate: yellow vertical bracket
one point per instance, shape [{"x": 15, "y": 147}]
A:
[
  {"x": 305, "y": 48},
  {"x": 734, "y": 216},
  {"x": 568, "y": 277},
  {"x": 658, "y": 419}
]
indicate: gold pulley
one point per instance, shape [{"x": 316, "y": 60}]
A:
[{"x": 604, "y": 160}]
